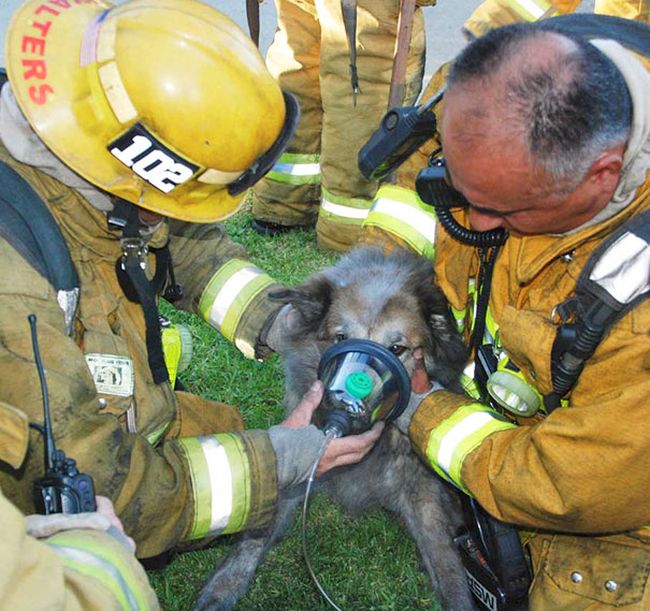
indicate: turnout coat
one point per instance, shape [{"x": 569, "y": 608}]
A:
[
  {"x": 174, "y": 464},
  {"x": 576, "y": 480},
  {"x": 71, "y": 570}
]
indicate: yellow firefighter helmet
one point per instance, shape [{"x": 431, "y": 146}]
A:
[{"x": 164, "y": 103}]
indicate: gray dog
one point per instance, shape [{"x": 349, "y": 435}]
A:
[{"x": 390, "y": 299}]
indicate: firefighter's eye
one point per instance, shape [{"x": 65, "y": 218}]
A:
[
  {"x": 397, "y": 349},
  {"x": 339, "y": 337}
]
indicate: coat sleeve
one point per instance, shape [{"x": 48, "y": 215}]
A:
[
  {"x": 173, "y": 491},
  {"x": 72, "y": 570},
  {"x": 582, "y": 469},
  {"x": 220, "y": 283},
  {"x": 492, "y": 14}
]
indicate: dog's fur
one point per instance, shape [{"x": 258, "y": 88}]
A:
[{"x": 393, "y": 301}]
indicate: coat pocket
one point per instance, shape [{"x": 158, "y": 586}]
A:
[{"x": 612, "y": 571}]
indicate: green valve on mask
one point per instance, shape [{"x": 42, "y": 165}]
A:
[{"x": 358, "y": 384}]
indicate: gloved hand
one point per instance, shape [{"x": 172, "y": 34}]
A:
[
  {"x": 297, "y": 443},
  {"x": 421, "y": 387},
  {"x": 276, "y": 330},
  {"x": 104, "y": 518}
]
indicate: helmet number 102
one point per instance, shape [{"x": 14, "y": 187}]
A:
[{"x": 151, "y": 163}]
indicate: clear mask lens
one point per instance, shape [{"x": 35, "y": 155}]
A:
[{"x": 363, "y": 380}]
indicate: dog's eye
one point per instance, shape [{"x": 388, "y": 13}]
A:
[
  {"x": 339, "y": 337},
  {"x": 397, "y": 349}
]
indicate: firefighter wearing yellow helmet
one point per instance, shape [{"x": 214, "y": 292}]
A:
[{"x": 131, "y": 114}]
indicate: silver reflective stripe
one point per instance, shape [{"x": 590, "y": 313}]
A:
[
  {"x": 229, "y": 292},
  {"x": 470, "y": 424},
  {"x": 344, "y": 211},
  {"x": 534, "y": 9},
  {"x": 531, "y": 7},
  {"x": 624, "y": 271},
  {"x": 420, "y": 221},
  {"x": 68, "y": 301},
  {"x": 220, "y": 476},
  {"x": 297, "y": 169}
]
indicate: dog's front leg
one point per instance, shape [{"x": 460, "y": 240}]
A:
[{"x": 232, "y": 578}]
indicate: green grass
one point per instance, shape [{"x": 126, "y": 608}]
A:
[{"x": 364, "y": 563}]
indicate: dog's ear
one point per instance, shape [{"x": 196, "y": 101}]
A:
[
  {"x": 312, "y": 299},
  {"x": 448, "y": 350}
]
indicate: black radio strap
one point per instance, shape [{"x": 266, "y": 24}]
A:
[{"x": 615, "y": 280}]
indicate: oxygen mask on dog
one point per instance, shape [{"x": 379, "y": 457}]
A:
[{"x": 364, "y": 383}]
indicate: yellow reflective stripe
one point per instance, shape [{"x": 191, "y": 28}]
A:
[
  {"x": 296, "y": 169},
  {"x": 346, "y": 210},
  {"x": 531, "y": 10},
  {"x": 401, "y": 212},
  {"x": 154, "y": 438},
  {"x": 455, "y": 437},
  {"x": 468, "y": 382},
  {"x": 459, "y": 318},
  {"x": 491, "y": 328},
  {"x": 221, "y": 483},
  {"x": 103, "y": 563},
  {"x": 171, "y": 345},
  {"x": 229, "y": 292}
]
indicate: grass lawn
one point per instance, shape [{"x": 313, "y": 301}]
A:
[{"x": 364, "y": 563}]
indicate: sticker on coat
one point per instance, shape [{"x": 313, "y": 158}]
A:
[{"x": 113, "y": 375}]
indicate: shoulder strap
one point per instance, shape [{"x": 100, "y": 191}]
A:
[
  {"x": 400, "y": 58},
  {"x": 615, "y": 280},
  {"x": 27, "y": 224}
]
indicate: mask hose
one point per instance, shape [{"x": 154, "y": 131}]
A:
[{"x": 331, "y": 433}]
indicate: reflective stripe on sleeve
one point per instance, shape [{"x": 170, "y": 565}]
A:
[
  {"x": 229, "y": 292},
  {"x": 457, "y": 436},
  {"x": 401, "y": 212},
  {"x": 296, "y": 169},
  {"x": 346, "y": 210},
  {"x": 102, "y": 563},
  {"x": 221, "y": 483},
  {"x": 531, "y": 10}
]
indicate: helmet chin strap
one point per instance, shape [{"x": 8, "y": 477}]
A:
[{"x": 130, "y": 270}]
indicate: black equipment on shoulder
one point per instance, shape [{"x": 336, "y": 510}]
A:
[
  {"x": 62, "y": 489},
  {"x": 27, "y": 224},
  {"x": 615, "y": 280},
  {"x": 401, "y": 132}
]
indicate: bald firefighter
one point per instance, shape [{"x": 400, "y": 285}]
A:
[
  {"x": 544, "y": 137},
  {"x": 139, "y": 127}
]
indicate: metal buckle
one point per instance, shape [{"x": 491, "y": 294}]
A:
[{"x": 134, "y": 247}]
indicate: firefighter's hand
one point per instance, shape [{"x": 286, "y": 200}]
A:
[
  {"x": 421, "y": 387},
  {"x": 104, "y": 518},
  {"x": 297, "y": 443}
]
